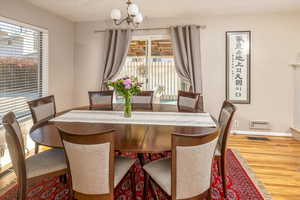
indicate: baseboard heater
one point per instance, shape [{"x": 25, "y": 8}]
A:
[{"x": 261, "y": 125}]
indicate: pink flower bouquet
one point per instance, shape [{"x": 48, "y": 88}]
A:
[{"x": 126, "y": 87}]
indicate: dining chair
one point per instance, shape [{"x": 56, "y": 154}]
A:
[
  {"x": 143, "y": 97},
  {"x": 102, "y": 100},
  {"x": 45, "y": 164},
  {"x": 187, "y": 174},
  {"x": 94, "y": 169},
  {"x": 42, "y": 110},
  {"x": 225, "y": 119},
  {"x": 189, "y": 101}
]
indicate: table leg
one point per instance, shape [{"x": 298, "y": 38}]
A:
[
  {"x": 36, "y": 149},
  {"x": 146, "y": 176}
]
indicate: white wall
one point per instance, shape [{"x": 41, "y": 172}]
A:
[
  {"x": 88, "y": 59},
  {"x": 61, "y": 46},
  {"x": 296, "y": 123},
  {"x": 275, "y": 41}
]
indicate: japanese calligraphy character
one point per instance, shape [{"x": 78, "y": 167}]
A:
[
  {"x": 238, "y": 76},
  {"x": 239, "y": 42},
  {"x": 238, "y": 82},
  {"x": 239, "y": 64},
  {"x": 238, "y": 94}
]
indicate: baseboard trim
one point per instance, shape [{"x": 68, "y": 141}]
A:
[{"x": 263, "y": 133}]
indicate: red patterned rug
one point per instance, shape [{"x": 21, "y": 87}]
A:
[{"x": 241, "y": 185}]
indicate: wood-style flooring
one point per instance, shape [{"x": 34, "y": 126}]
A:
[{"x": 275, "y": 162}]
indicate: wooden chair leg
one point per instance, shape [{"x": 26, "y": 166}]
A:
[
  {"x": 222, "y": 172},
  {"x": 209, "y": 194},
  {"x": 133, "y": 185},
  {"x": 22, "y": 192},
  {"x": 63, "y": 179},
  {"x": 149, "y": 156},
  {"x": 146, "y": 176},
  {"x": 218, "y": 160},
  {"x": 146, "y": 185},
  {"x": 72, "y": 195},
  {"x": 36, "y": 150},
  {"x": 223, "y": 175},
  {"x": 153, "y": 189}
]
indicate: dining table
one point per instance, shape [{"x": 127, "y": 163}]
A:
[
  {"x": 142, "y": 138},
  {"x": 136, "y": 138}
]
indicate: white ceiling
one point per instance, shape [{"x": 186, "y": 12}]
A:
[{"x": 92, "y": 10}]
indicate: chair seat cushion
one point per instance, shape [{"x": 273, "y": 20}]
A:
[
  {"x": 46, "y": 162},
  {"x": 122, "y": 165},
  {"x": 160, "y": 172}
]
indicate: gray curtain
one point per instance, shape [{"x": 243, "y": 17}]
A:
[
  {"x": 186, "y": 48},
  {"x": 116, "y": 45}
]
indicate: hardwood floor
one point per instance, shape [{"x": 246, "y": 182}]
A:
[
  {"x": 275, "y": 162},
  {"x": 6, "y": 182}
]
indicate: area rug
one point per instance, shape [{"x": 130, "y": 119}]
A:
[{"x": 241, "y": 184}]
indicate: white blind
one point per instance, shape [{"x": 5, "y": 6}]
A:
[{"x": 23, "y": 67}]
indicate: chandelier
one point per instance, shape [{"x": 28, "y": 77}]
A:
[{"x": 134, "y": 17}]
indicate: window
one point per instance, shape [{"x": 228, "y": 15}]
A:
[
  {"x": 151, "y": 60},
  {"x": 23, "y": 66}
]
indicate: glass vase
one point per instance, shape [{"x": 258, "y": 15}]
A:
[{"x": 127, "y": 107}]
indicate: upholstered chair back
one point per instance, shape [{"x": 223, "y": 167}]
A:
[
  {"x": 192, "y": 165},
  {"x": 225, "y": 119},
  {"x": 101, "y": 98},
  {"x": 188, "y": 100},
  {"x": 15, "y": 145},
  {"x": 144, "y": 97},
  {"x": 90, "y": 161},
  {"x": 42, "y": 108}
]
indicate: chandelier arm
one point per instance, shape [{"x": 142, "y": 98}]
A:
[{"x": 119, "y": 22}]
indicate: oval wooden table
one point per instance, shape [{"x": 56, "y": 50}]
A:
[
  {"x": 138, "y": 139},
  {"x": 128, "y": 138}
]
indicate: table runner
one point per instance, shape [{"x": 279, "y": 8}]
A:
[{"x": 145, "y": 118}]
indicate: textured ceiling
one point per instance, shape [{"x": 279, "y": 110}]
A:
[{"x": 92, "y": 10}]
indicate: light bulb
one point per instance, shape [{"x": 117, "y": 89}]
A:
[
  {"x": 138, "y": 18},
  {"x": 133, "y": 9},
  {"x": 115, "y": 14}
]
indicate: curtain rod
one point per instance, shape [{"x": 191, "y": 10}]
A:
[{"x": 158, "y": 28}]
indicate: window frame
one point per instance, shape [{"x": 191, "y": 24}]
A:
[
  {"x": 149, "y": 58},
  {"x": 149, "y": 39},
  {"x": 43, "y": 72},
  {"x": 25, "y": 120}
]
